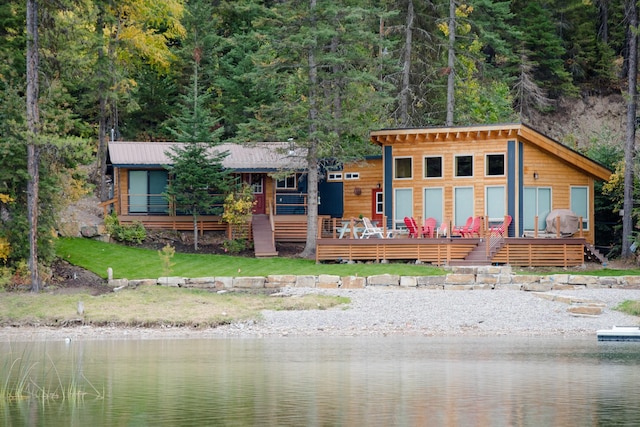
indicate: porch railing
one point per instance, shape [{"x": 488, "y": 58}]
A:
[{"x": 290, "y": 203}]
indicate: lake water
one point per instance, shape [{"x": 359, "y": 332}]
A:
[{"x": 422, "y": 381}]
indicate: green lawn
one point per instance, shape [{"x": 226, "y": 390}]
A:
[{"x": 134, "y": 263}]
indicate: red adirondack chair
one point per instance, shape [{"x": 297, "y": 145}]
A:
[
  {"x": 474, "y": 228},
  {"x": 502, "y": 228},
  {"x": 429, "y": 227},
  {"x": 412, "y": 226},
  {"x": 461, "y": 230}
]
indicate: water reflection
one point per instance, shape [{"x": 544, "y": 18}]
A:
[{"x": 332, "y": 381}]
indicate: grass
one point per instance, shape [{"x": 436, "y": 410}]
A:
[
  {"x": 629, "y": 307},
  {"x": 135, "y": 263},
  {"x": 21, "y": 379},
  {"x": 150, "y": 306}
]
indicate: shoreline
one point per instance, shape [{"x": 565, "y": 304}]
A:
[{"x": 380, "y": 311}]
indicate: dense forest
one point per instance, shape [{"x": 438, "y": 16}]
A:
[{"x": 322, "y": 72}]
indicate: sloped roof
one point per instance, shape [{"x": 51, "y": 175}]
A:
[
  {"x": 442, "y": 135},
  {"x": 257, "y": 157}
]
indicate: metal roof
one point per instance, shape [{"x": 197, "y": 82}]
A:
[{"x": 256, "y": 157}]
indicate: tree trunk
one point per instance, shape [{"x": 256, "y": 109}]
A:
[
  {"x": 195, "y": 231},
  {"x": 101, "y": 167},
  {"x": 451, "y": 63},
  {"x": 33, "y": 151},
  {"x": 603, "y": 21},
  {"x": 312, "y": 155},
  {"x": 405, "y": 90},
  {"x": 629, "y": 148}
]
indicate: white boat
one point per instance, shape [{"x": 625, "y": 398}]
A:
[{"x": 619, "y": 333}]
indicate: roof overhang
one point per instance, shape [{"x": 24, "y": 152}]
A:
[
  {"x": 258, "y": 157},
  {"x": 474, "y": 134}
]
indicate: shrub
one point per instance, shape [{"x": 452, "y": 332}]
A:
[
  {"x": 125, "y": 233},
  {"x": 235, "y": 246},
  {"x": 5, "y": 249}
]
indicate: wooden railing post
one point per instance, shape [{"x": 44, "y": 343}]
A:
[
  {"x": 384, "y": 226},
  {"x": 581, "y": 230}
]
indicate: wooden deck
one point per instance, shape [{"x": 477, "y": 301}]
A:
[{"x": 566, "y": 252}]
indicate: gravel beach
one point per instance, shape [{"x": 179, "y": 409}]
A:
[{"x": 382, "y": 311}]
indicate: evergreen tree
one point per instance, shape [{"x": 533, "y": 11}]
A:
[
  {"x": 198, "y": 180},
  {"x": 321, "y": 58},
  {"x": 545, "y": 48}
]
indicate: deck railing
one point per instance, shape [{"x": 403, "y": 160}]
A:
[{"x": 290, "y": 203}]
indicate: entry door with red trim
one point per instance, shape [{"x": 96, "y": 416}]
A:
[
  {"x": 257, "y": 186},
  {"x": 377, "y": 205}
]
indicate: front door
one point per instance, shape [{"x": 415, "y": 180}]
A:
[
  {"x": 257, "y": 186},
  {"x": 377, "y": 205}
]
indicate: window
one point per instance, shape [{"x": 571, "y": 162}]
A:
[
  {"x": 403, "y": 168},
  {"x": 403, "y": 205},
  {"x": 495, "y": 204},
  {"x": 464, "y": 166},
  {"x": 433, "y": 167},
  {"x": 145, "y": 191},
  {"x": 463, "y": 209},
  {"x": 433, "y": 203},
  {"x": 257, "y": 186},
  {"x": 537, "y": 202},
  {"x": 379, "y": 203},
  {"x": 334, "y": 176},
  {"x": 352, "y": 175},
  {"x": 580, "y": 204},
  {"x": 288, "y": 183},
  {"x": 495, "y": 165}
]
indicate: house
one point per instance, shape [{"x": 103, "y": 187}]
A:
[
  {"x": 489, "y": 171},
  {"x": 275, "y": 171}
]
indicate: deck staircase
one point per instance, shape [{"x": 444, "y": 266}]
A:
[
  {"x": 479, "y": 256},
  {"x": 263, "y": 242},
  {"x": 593, "y": 255}
]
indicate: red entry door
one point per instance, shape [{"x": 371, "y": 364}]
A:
[
  {"x": 257, "y": 186},
  {"x": 377, "y": 205}
]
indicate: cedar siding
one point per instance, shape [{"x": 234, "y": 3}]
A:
[{"x": 531, "y": 161}]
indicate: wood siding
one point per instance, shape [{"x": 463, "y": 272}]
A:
[
  {"x": 555, "y": 167},
  {"x": 358, "y": 192}
]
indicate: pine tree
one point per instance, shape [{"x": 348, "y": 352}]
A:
[
  {"x": 198, "y": 179},
  {"x": 321, "y": 59}
]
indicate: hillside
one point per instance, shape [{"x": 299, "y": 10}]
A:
[{"x": 578, "y": 121}]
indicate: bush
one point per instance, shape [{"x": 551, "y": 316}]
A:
[
  {"x": 127, "y": 233},
  {"x": 235, "y": 246}
]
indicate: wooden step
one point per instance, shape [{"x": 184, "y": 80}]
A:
[{"x": 263, "y": 245}]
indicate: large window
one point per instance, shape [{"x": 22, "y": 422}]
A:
[
  {"x": 433, "y": 204},
  {"x": 463, "y": 208},
  {"x": 146, "y": 190},
  {"x": 433, "y": 167},
  {"x": 403, "y": 205},
  {"x": 403, "y": 168},
  {"x": 537, "y": 202},
  {"x": 464, "y": 166},
  {"x": 495, "y": 204},
  {"x": 494, "y": 165},
  {"x": 580, "y": 204}
]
